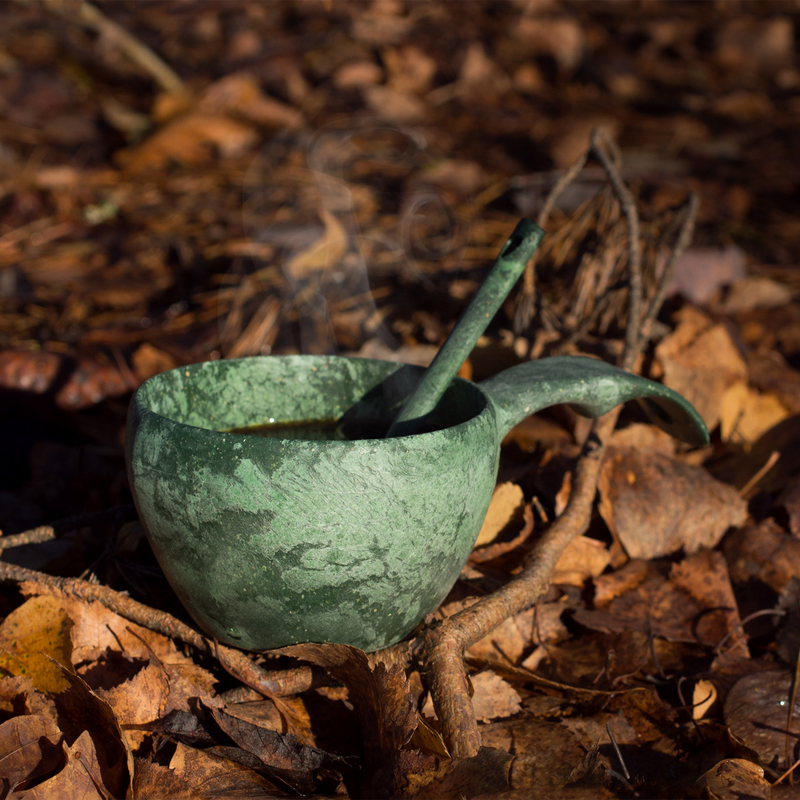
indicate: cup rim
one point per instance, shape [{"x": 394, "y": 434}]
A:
[{"x": 145, "y": 410}]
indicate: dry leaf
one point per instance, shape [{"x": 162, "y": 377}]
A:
[
  {"x": 784, "y": 439},
  {"x": 789, "y": 500},
  {"x": 656, "y": 505},
  {"x": 756, "y": 711},
  {"x": 196, "y": 774},
  {"x": 29, "y": 747},
  {"x": 493, "y": 697},
  {"x": 698, "y": 604},
  {"x": 409, "y": 69},
  {"x": 704, "y": 696},
  {"x": 763, "y": 552},
  {"x": 505, "y": 508},
  {"x": 642, "y": 436},
  {"x": 241, "y": 94},
  {"x": 79, "y": 710},
  {"x": 395, "y": 106},
  {"x": 19, "y": 693},
  {"x": 96, "y": 629},
  {"x": 559, "y": 37},
  {"x": 535, "y": 767},
  {"x": 357, "y": 74},
  {"x": 700, "y": 272},
  {"x": 755, "y": 291},
  {"x": 141, "y": 699},
  {"x": 81, "y": 776},
  {"x": 37, "y": 629},
  {"x": 322, "y": 254},
  {"x": 190, "y": 140},
  {"x": 746, "y": 414},
  {"x": 428, "y": 740},
  {"x": 627, "y": 577},
  {"x": 734, "y": 778},
  {"x": 700, "y": 361},
  {"x": 149, "y": 361},
  {"x": 76, "y": 383},
  {"x": 582, "y": 558}
]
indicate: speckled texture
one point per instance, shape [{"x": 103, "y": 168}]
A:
[{"x": 268, "y": 542}]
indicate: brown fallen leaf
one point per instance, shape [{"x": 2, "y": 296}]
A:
[
  {"x": 624, "y": 579},
  {"x": 148, "y": 361},
  {"x": 96, "y": 629},
  {"x": 74, "y": 384},
  {"x": 784, "y": 439},
  {"x": 488, "y": 771},
  {"x": 755, "y": 291},
  {"x": 582, "y": 558},
  {"x": 701, "y": 271},
  {"x": 395, "y": 106},
  {"x": 81, "y": 776},
  {"x": 190, "y": 140},
  {"x": 547, "y": 751},
  {"x": 80, "y": 709},
  {"x": 700, "y": 361},
  {"x": 32, "y": 638},
  {"x": 656, "y": 505},
  {"x": 283, "y": 757},
  {"x": 493, "y": 697},
  {"x": 539, "y": 625},
  {"x": 505, "y": 508},
  {"x": 733, "y": 778},
  {"x": 642, "y": 436},
  {"x": 757, "y": 711},
  {"x": 704, "y": 695},
  {"x": 142, "y": 698},
  {"x": 789, "y": 500},
  {"x": 696, "y": 604},
  {"x": 746, "y": 414},
  {"x": 29, "y": 748},
  {"x": 770, "y": 373},
  {"x": 195, "y": 774},
  {"x": 240, "y": 94},
  {"x": 18, "y": 694},
  {"x": 322, "y": 254},
  {"x": 559, "y": 37},
  {"x": 763, "y": 552}
]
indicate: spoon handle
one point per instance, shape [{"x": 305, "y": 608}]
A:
[{"x": 505, "y": 272}]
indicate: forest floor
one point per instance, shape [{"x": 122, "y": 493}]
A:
[{"x": 211, "y": 179}]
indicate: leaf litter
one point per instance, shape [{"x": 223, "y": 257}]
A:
[{"x": 338, "y": 182}]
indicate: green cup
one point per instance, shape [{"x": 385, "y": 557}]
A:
[{"x": 269, "y": 542}]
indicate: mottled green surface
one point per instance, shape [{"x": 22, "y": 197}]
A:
[
  {"x": 505, "y": 272},
  {"x": 269, "y": 542}
]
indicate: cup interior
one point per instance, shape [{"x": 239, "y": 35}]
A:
[{"x": 362, "y": 395}]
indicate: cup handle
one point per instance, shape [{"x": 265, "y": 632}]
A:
[{"x": 592, "y": 388}]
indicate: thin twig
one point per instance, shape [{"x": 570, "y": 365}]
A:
[
  {"x": 524, "y": 314},
  {"x": 617, "y": 751},
  {"x": 756, "y": 479},
  {"x": 92, "y": 17},
  {"x": 236, "y": 662},
  {"x": 684, "y": 239},
  {"x": 608, "y": 154},
  {"x": 46, "y": 533}
]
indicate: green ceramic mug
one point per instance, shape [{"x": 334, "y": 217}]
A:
[{"x": 270, "y": 541}]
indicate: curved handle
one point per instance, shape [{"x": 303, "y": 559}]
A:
[{"x": 592, "y": 388}]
